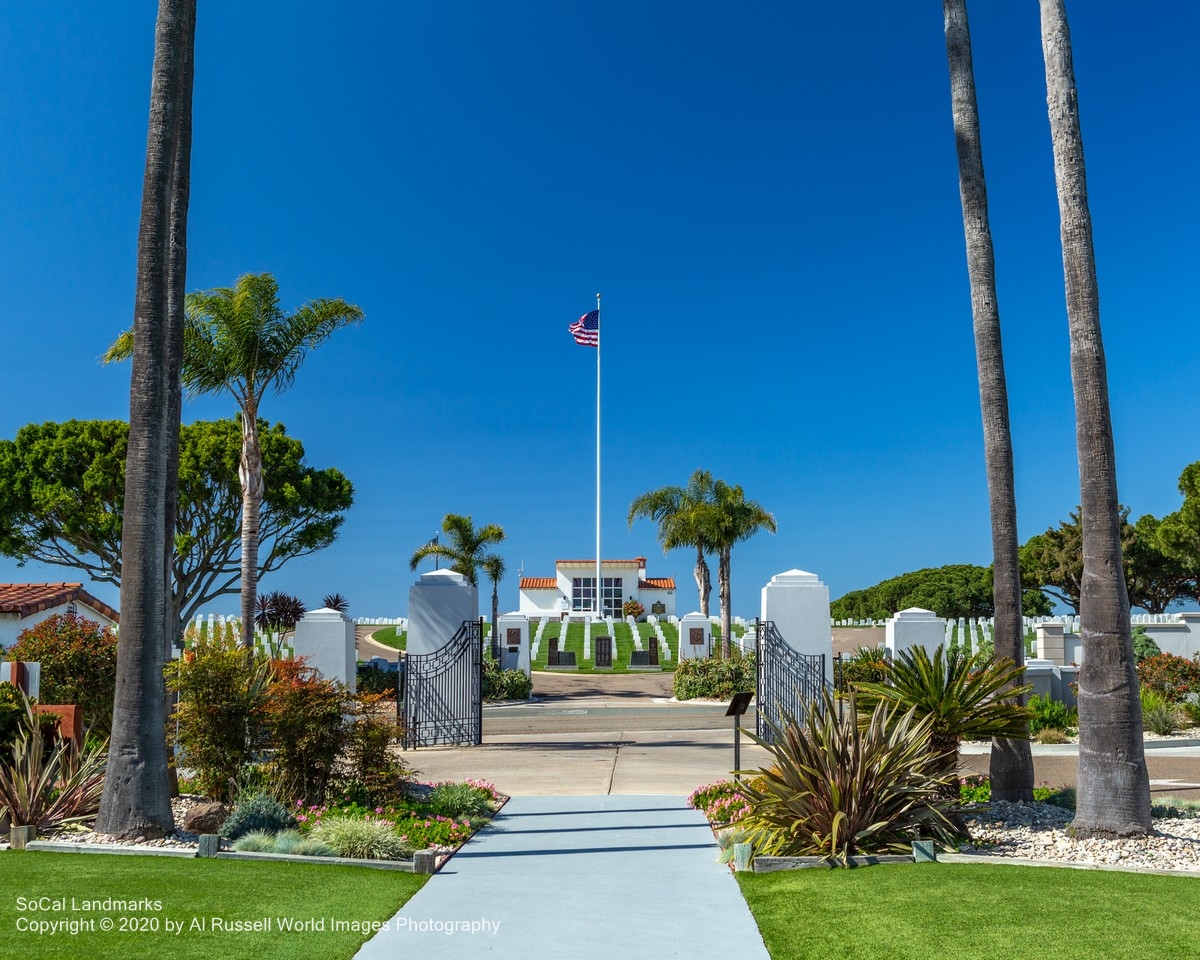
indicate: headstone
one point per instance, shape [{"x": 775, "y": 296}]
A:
[
  {"x": 566, "y": 658},
  {"x": 639, "y": 658},
  {"x": 798, "y": 603},
  {"x": 914, "y": 627},
  {"x": 604, "y": 652},
  {"x": 652, "y": 651},
  {"x": 552, "y": 658},
  {"x": 695, "y": 637},
  {"x": 1051, "y": 643},
  {"x": 326, "y": 638}
]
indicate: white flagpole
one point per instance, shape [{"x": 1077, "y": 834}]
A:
[{"x": 599, "y": 580}]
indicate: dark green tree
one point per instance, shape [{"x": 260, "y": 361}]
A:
[
  {"x": 62, "y": 488},
  {"x": 678, "y": 513}
]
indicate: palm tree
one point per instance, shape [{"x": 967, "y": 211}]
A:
[
  {"x": 493, "y": 568},
  {"x": 1011, "y": 765},
  {"x": 238, "y": 340},
  {"x": 1113, "y": 782},
  {"x": 677, "y": 511},
  {"x": 731, "y": 519},
  {"x": 464, "y": 546},
  {"x": 136, "y": 797}
]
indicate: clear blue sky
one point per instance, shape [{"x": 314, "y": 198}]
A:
[{"x": 766, "y": 195}]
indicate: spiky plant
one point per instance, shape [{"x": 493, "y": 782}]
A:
[
  {"x": 836, "y": 788},
  {"x": 335, "y": 601},
  {"x": 959, "y": 693}
]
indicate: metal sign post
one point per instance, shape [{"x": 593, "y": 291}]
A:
[{"x": 737, "y": 707}]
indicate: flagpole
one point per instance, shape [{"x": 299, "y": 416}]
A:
[{"x": 599, "y": 580}]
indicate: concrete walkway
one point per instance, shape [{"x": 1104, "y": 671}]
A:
[{"x": 582, "y": 877}]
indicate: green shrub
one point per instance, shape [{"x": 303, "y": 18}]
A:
[
  {"x": 1056, "y": 796},
  {"x": 975, "y": 789},
  {"x": 1159, "y": 714},
  {"x": 1170, "y": 676},
  {"x": 11, "y": 712},
  {"x": 258, "y": 812},
  {"x": 304, "y": 722},
  {"x": 297, "y": 844},
  {"x": 79, "y": 664},
  {"x": 505, "y": 684},
  {"x": 459, "y": 800},
  {"x": 838, "y": 788},
  {"x": 1046, "y": 713},
  {"x": 721, "y": 802},
  {"x": 256, "y": 841},
  {"x": 1052, "y": 735},
  {"x": 868, "y": 665},
  {"x": 373, "y": 774},
  {"x": 1174, "y": 808},
  {"x": 371, "y": 679},
  {"x": 632, "y": 608},
  {"x": 222, "y": 692},
  {"x": 361, "y": 839},
  {"x": 1144, "y": 646},
  {"x": 715, "y": 679}
]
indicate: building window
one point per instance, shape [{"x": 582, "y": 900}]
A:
[
  {"x": 611, "y": 597},
  {"x": 583, "y": 594}
]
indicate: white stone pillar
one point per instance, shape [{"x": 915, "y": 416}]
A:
[
  {"x": 798, "y": 603},
  {"x": 326, "y": 638},
  {"x": 438, "y": 603},
  {"x": 914, "y": 627},
  {"x": 513, "y": 636},
  {"x": 692, "y": 628},
  {"x": 1051, "y": 643}
]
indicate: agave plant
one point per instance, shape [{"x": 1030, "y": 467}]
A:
[
  {"x": 45, "y": 787},
  {"x": 836, "y": 788},
  {"x": 962, "y": 695}
]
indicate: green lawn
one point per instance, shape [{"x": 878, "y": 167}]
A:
[
  {"x": 387, "y": 636},
  {"x": 574, "y": 641},
  {"x": 194, "y": 889},
  {"x": 973, "y": 911}
]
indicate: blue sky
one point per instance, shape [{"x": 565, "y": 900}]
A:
[{"x": 766, "y": 195}]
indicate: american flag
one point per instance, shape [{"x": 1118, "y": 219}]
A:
[{"x": 586, "y": 330}]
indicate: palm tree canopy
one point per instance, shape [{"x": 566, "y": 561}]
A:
[
  {"x": 238, "y": 339},
  {"x": 493, "y": 567},
  {"x": 678, "y": 512},
  {"x": 730, "y": 518},
  {"x": 464, "y": 546}
]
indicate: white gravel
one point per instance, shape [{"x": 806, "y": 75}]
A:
[{"x": 1039, "y": 831}]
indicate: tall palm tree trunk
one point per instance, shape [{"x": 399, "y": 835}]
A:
[
  {"x": 251, "y": 476},
  {"x": 1113, "y": 783},
  {"x": 724, "y": 562},
  {"x": 1011, "y": 765},
  {"x": 703, "y": 580},
  {"x": 136, "y": 799}
]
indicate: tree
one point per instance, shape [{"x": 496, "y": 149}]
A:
[
  {"x": 1011, "y": 764},
  {"x": 678, "y": 513},
  {"x": 136, "y": 798},
  {"x": 957, "y": 590},
  {"x": 1113, "y": 784},
  {"x": 731, "y": 519},
  {"x": 1178, "y": 536},
  {"x": 62, "y": 499},
  {"x": 493, "y": 568},
  {"x": 464, "y": 548},
  {"x": 237, "y": 340},
  {"x": 1154, "y": 580}
]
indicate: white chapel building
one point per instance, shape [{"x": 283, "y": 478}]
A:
[{"x": 572, "y": 590}]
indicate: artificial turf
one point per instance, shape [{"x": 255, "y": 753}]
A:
[
  {"x": 191, "y": 890},
  {"x": 969, "y": 911}
]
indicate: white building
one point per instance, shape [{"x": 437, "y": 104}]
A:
[
  {"x": 23, "y": 605},
  {"x": 573, "y": 589}
]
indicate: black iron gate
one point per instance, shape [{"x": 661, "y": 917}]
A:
[
  {"x": 443, "y": 699},
  {"x": 788, "y": 682}
]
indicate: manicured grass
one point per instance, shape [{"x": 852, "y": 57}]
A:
[
  {"x": 388, "y": 637},
  {"x": 200, "y": 889},
  {"x": 952, "y": 911},
  {"x": 574, "y": 641}
]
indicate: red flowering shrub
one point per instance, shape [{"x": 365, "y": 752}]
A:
[
  {"x": 1170, "y": 676},
  {"x": 79, "y": 664}
]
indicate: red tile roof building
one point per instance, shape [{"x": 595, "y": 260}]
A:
[
  {"x": 22, "y": 605},
  {"x": 573, "y": 589}
]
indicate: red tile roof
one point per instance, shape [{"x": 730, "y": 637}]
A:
[
  {"x": 30, "y": 598},
  {"x": 539, "y": 583},
  {"x": 657, "y": 583},
  {"x": 623, "y": 563}
]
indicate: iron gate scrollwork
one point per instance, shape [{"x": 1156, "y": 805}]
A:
[
  {"x": 443, "y": 697},
  {"x": 788, "y": 682}
]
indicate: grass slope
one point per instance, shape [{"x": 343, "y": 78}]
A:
[
  {"x": 968, "y": 911},
  {"x": 389, "y": 638},
  {"x": 231, "y": 890}
]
